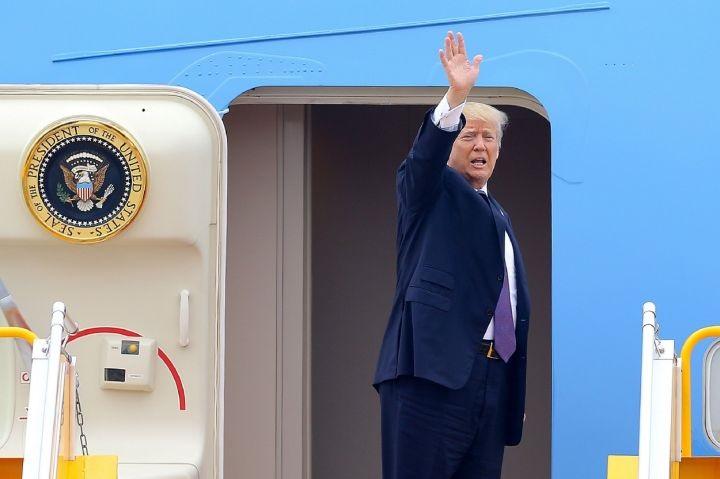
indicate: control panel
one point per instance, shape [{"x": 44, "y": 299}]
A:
[{"x": 128, "y": 363}]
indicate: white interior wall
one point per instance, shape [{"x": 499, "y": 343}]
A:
[
  {"x": 266, "y": 293},
  {"x": 131, "y": 281}
]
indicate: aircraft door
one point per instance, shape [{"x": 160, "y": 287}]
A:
[{"x": 113, "y": 202}]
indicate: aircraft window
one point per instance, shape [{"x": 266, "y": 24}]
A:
[
  {"x": 711, "y": 393},
  {"x": 7, "y": 387}
]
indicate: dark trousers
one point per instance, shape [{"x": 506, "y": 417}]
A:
[{"x": 433, "y": 432}]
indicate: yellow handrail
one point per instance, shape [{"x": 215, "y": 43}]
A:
[
  {"x": 22, "y": 333},
  {"x": 686, "y": 355}
]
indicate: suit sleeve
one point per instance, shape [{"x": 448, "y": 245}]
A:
[{"x": 419, "y": 176}]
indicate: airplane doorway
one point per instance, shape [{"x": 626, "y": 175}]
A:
[{"x": 312, "y": 219}]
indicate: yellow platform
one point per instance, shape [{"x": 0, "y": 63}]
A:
[
  {"x": 626, "y": 467},
  {"x": 83, "y": 467},
  {"x": 89, "y": 467}
]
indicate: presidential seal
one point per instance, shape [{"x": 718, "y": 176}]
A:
[{"x": 84, "y": 180}]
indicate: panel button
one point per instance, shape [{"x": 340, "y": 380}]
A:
[
  {"x": 130, "y": 347},
  {"x": 115, "y": 375}
]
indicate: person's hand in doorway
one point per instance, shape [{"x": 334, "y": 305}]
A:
[{"x": 461, "y": 72}]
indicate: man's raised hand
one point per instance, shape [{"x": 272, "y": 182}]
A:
[{"x": 461, "y": 73}]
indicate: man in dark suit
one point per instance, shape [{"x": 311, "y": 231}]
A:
[{"x": 451, "y": 373}]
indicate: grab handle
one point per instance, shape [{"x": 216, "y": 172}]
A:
[
  {"x": 184, "y": 318},
  {"x": 686, "y": 357},
  {"x": 22, "y": 333}
]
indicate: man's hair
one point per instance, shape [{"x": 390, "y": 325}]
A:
[{"x": 486, "y": 113}]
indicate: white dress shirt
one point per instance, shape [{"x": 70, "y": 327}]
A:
[{"x": 449, "y": 120}]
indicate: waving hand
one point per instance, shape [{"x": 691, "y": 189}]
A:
[{"x": 461, "y": 72}]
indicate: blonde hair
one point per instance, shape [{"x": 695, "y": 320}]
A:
[{"x": 486, "y": 113}]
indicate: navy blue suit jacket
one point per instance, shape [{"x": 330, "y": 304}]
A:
[{"x": 450, "y": 267}]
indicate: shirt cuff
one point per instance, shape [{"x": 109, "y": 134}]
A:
[{"x": 445, "y": 118}]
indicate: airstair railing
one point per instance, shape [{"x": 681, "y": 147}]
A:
[
  {"x": 659, "y": 368},
  {"x": 649, "y": 331},
  {"x": 52, "y": 368},
  {"x": 665, "y": 440},
  {"x": 20, "y": 333},
  {"x": 686, "y": 356}
]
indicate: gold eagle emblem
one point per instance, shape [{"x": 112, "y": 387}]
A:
[{"x": 84, "y": 180}]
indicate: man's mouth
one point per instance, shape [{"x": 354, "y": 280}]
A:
[{"x": 478, "y": 163}]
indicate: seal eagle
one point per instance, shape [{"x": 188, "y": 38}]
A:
[{"x": 84, "y": 180}]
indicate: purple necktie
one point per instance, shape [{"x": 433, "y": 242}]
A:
[
  {"x": 504, "y": 326},
  {"x": 504, "y": 342}
]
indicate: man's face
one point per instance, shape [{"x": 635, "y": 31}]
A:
[{"x": 475, "y": 152}]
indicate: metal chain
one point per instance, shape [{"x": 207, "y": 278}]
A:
[
  {"x": 659, "y": 349},
  {"x": 79, "y": 416}
]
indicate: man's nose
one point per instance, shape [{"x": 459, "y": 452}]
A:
[{"x": 479, "y": 144}]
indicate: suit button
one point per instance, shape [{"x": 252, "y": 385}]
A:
[
  {"x": 490, "y": 313},
  {"x": 500, "y": 277}
]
